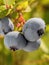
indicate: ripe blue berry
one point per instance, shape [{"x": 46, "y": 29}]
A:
[
  {"x": 6, "y": 26},
  {"x": 33, "y": 29},
  {"x": 14, "y": 40},
  {"x": 32, "y": 46}
]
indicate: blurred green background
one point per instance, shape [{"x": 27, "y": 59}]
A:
[{"x": 29, "y": 9}]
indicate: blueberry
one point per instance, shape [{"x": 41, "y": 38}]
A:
[
  {"x": 32, "y": 46},
  {"x": 14, "y": 40},
  {"x": 1, "y": 32},
  {"x": 33, "y": 29},
  {"x": 6, "y": 26}
]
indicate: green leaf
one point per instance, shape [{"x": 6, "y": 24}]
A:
[
  {"x": 9, "y": 2},
  {"x": 9, "y": 59},
  {"x": 14, "y": 15},
  {"x": 46, "y": 16},
  {"x": 27, "y": 15},
  {"x": 22, "y": 5},
  {"x": 1, "y": 2},
  {"x": 3, "y": 11},
  {"x": 2, "y": 8}
]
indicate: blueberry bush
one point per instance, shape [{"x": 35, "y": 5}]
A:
[{"x": 19, "y": 11}]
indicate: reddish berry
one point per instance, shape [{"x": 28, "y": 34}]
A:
[
  {"x": 18, "y": 25},
  {"x": 21, "y": 18}
]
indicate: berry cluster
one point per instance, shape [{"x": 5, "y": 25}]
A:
[
  {"x": 28, "y": 40},
  {"x": 20, "y": 21}
]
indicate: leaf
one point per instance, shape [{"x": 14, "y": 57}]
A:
[
  {"x": 28, "y": 9},
  {"x": 3, "y": 11},
  {"x": 45, "y": 39},
  {"x": 38, "y": 12},
  {"x": 46, "y": 16},
  {"x": 9, "y": 59},
  {"x": 9, "y": 2},
  {"x": 22, "y": 5},
  {"x": 27, "y": 15},
  {"x": 17, "y": 1},
  {"x": 2, "y": 8},
  {"x": 31, "y": 1},
  {"x": 44, "y": 47},
  {"x": 14, "y": 15},
  {"x": 1, "y": 2},
  {"x": 44, "y": 2}
]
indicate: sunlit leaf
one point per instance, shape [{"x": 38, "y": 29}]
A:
[
  {"x": 22, "y": 5},
  {"x": 28, "y": 9},
  {"x": 2, "y": 8}
]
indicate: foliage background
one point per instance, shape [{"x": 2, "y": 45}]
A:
[{"x": 29, "y": 9}]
